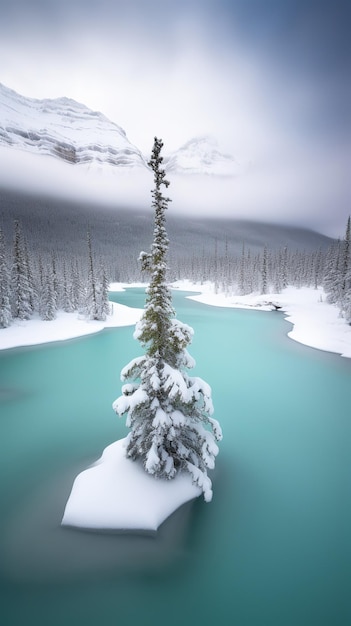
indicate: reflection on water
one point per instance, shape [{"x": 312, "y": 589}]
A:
[{"x": 271, "y": 549}]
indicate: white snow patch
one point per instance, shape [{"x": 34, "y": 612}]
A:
[
  {"x": 64, "y": 326},
  {"x": 117, "y": 494},
  {"x": 124, "y": 286},
  {"x": 316, "y": 323}
]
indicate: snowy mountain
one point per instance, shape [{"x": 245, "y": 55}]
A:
[
  {"x": 59, "y": 148},
  {"x": 73, "y": 133},
  {"x": 64, "y": 129},
  {"x": 201, "y": 155}
]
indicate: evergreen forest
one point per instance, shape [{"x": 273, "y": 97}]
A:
[{"x": 55, "y": 257}]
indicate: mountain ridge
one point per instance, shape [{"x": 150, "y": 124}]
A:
[
  {"x": 69, "y": 130},
  {"x": 201, "y": 155},
  {"x": 65, "y": 129}
]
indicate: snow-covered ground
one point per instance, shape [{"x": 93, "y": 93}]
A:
[
  {"x": 66, "y": 325},
  {"x": 315, "y": 322},
  {"x": 136, "y": 501}
]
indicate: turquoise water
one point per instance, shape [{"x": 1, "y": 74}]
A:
[{"x": 273, "y": 547}]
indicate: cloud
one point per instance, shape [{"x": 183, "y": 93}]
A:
[
  {"x": 297, "y": 194},
  {"x": 269, "y": 80},
  {"x": 32, "y": 173}
]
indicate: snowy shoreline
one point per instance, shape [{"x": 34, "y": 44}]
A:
[
  {"x": 315, "y": 322},
  {"x": 66, "y": 325}
]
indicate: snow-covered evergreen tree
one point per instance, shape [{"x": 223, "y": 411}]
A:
[
  {"x": 96, "y": 304},
  {"x": 345, "y": 270},
  {"x": 347, "y": 300},
  {"x": 103, "y": 302},
  {"x": 91, "y": 299},
  {"x": 5, "y": 306},
  {"x": 40, "y": 274},
  {"x": 169, "y": 412},
  {"x": 47, "y": 302},
  {"x": 75, "y": 291},
  {"x": 242, "y": 285},
  {"x": 331, "y": 282},
  {"x": 264, "y": 271},
  {"x": 318, "y": 267},
  {"x": 56, "y": 282},
  {"x": 66, "y": 301},
  {"x": 21, "y": 292},
  {"x": 284, "y": 268},
  {"x": 337, "y": 274},
  {"x": 32, "y": 294}
]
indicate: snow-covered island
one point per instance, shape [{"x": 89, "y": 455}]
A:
[{"x": 99, "y": 501}]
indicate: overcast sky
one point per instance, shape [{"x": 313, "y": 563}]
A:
[{"x": 270, "y": 79}]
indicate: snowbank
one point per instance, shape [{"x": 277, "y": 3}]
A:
[
  {"x": 65, "y": 326},
  {"x": 117, "y": 494},
  {"x": 315, "y": 322}
]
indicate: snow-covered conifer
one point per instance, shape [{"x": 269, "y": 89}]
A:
[
  {"x": 96, "y": 304},
  {"x": 347, "y": 300},
  {"x": 56, "y": 282},
  {"x": 48, "y": 295},
  {"x": 242, "y": 267},
  {"x": 91, "y": 304},
  {"x": 67, "y": 304},
  {"x": 5, "y": 306},
  {"x": 332, "y": 280},
  {"x": 169, "y": 412},
  {"x": 40, "y": 274},
  {"x": 264, "y": 271},
  {"x": 75, "y": 285},
  {"x": 32, "y": 294},
  {"x": 21, "y": 293},
  {"x": 103, "y": 302},
  {"x": 284, "y": 268},
  {"x": 345, "y": 283}
]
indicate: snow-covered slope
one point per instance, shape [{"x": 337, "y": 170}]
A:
[
  {"x": 64, "y": 129},
  {"x": 71, "y": 132},
  {"x": 201, "y": 155}
]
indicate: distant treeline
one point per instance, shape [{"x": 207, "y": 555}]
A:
[
  {"x": 69, "y": 275},
  {"x": 34, "y": 283}
]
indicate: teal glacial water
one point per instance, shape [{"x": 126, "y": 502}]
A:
[{"x": 273, "y": 547}]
